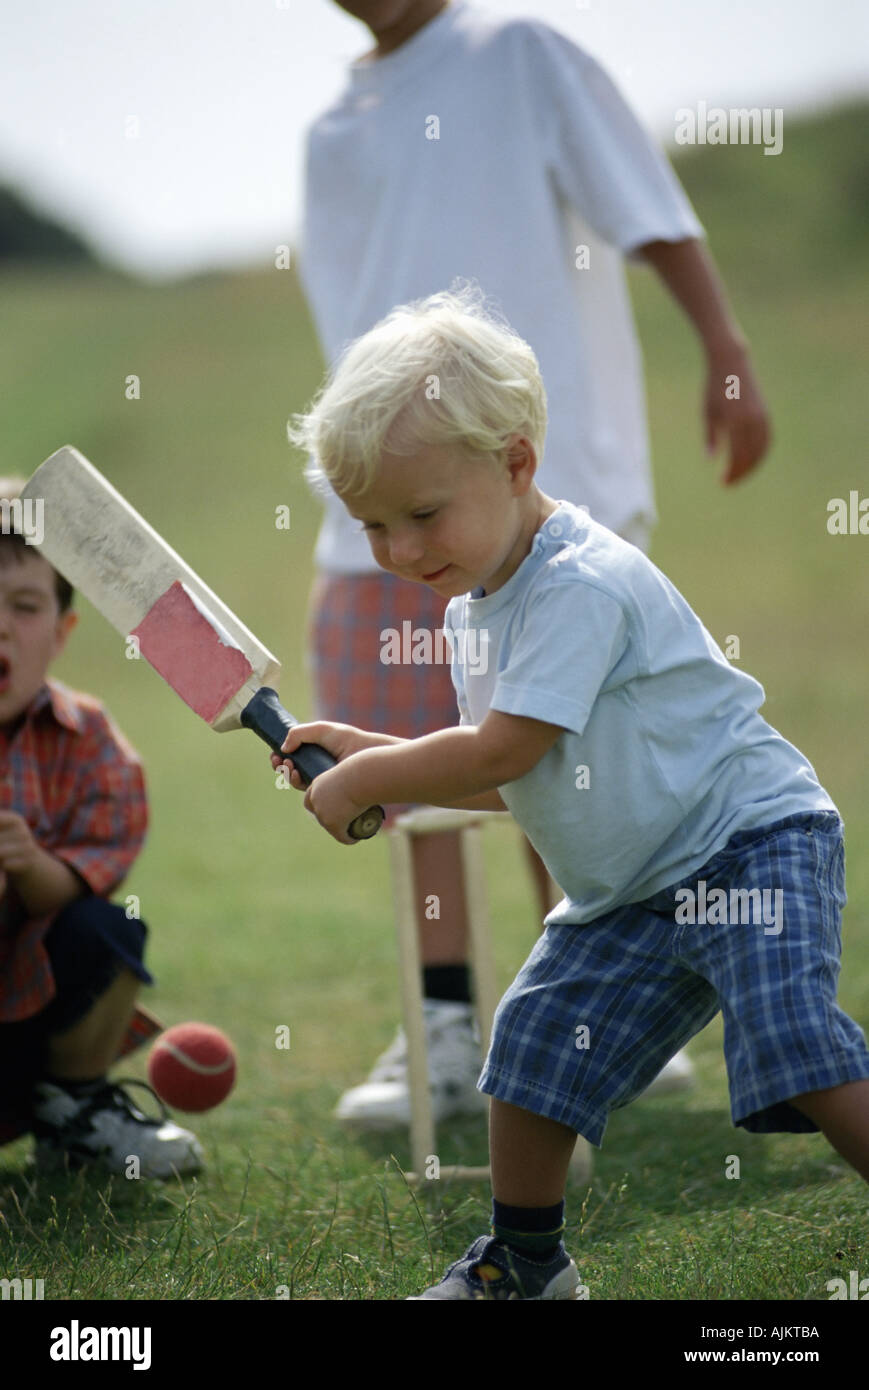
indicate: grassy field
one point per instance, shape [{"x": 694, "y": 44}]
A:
[{"x": 259, "y": 919}]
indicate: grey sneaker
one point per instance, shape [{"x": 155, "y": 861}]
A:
[
  {"x": 108, "y": 1129},
  {"x": 677, "y": 1075},
  {"x": 454, "y": 1064},
  {"x": 489, "y": 1270}
]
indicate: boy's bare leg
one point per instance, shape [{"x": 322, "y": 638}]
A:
[
  {"x": 530, "y": 1156},
  {"x": 453, "y": 1052},
  {"x": 842, "y": 1114},
  {"x": 87, "y": 1049},
  {"x": 437, "y": 869}
]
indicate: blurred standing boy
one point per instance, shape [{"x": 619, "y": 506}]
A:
[{"x": 470, "y": 146}]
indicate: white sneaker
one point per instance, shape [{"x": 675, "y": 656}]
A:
[
  {"x": 677, "y": 1075},
  {"x": 454, "y": 1065},
  {"x": 107, "y": 1128}
]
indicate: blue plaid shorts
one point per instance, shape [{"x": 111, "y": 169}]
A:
[{"x": 599, "y": 1008}]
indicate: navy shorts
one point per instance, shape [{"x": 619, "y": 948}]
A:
[
  {"x": 88, "y": 943},
  {"x": 599, "y": 1008}
]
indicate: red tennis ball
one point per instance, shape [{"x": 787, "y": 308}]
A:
[{"x": 192, "y": 1066}]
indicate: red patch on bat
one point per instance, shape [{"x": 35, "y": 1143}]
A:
[{"x": 184, "y": 643}]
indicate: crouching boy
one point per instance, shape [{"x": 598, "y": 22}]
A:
[{"x": 73, "y": 816}]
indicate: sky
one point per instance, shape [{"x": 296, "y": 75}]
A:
[{"x": 170, "y": 132}]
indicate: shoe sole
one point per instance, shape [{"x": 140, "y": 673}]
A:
[
  {"x": 563, "y": 1287},
  {"x": 53, "y": 1161}
]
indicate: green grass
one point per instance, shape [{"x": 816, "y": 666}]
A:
[{"x": 259, "y": 919}]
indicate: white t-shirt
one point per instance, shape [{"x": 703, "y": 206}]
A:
[
  {"x": 664, "y": 756},
  {"x": 536, "y": 154}
]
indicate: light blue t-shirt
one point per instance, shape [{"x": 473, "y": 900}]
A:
[{"x": 663, "y": 757}]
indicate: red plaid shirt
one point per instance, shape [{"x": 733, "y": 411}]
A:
[{"x": 79, "y": 784}]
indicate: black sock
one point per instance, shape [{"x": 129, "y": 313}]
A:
[
  {"x": 450, "y": 983},
  {"x": 531, "y": 1231}
]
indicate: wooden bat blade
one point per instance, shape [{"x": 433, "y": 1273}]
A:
[{"x": 102, "y": 545}]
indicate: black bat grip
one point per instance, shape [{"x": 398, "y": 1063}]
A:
[{"x": 266, "y": 717}]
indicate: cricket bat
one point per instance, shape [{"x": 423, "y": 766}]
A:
[{"x": 97, "y": 541}]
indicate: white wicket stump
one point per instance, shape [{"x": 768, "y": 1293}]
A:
[{"x": 436, "y": 820}]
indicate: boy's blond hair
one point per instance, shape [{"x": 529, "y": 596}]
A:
[{"x": 443, "y": 370}]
